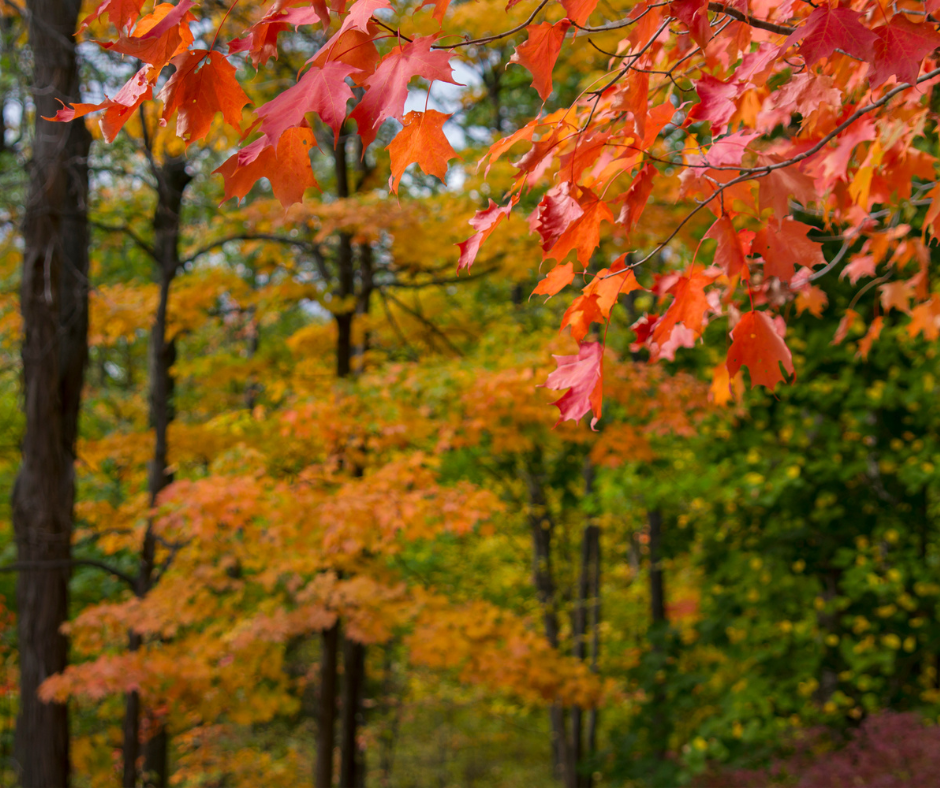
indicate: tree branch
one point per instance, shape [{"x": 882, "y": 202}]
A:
[
  {"x": 281, "y": 239},
  {"x": 68, "y": 563},
  {"x": 129, "y": 232}
]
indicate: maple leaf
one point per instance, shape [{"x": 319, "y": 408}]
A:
[
  {"x": 584, "y": 310},
  {"x": 260, "y": 43},
  {"x": 729, "y": 150},
  {"x": 117, "y": 110},
  {"x": 583, "y": 376},
  {"x": 777, "y": 187},
  {"x": 785, "y": 247},
  {"x": 557, "y": 280},
  {"x": 688, "y": 307},
  {"x": 583, "y": 234},
  {"x": 846, "y": 323},
  {"x": 871, "y": 336},
  {"x": 901, "y": 47},
  {"x": 440, "y": 8},
  {"x": 539, "y": 53},
  {"x": 694, "y": 15},
  {"x": 811, "y": 299},
  {"x": 122, "y": 13},
  {"x": 637, "y": 196},
  {"x": 608, "y": 288},
  {"x": 717, "y": 102},
  {"x": 159, "y": 36},
  {"x": 808, "y": 92},
  {"x": 729, "y": 254},
  {"x": 287, "y": 167},
  {"x": 203, "y": 84},
  {"x": 355, "y": 47},
  {"x": 320, "y": 90},
  {"x": 421, "y": 140},
  {"x": 555, "y": 213},
  {"x": 757, "y": 345},
  {"x": 897, "y": 295},
  {"x": 579, "y": 11},
  {"x": 484, "y": 222},
  {"x": 387, "y": 88},
  {"x": 828, "y": 29}
]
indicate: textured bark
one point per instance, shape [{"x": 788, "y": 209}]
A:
[
  {"x": 542, "y": 528},
  {"x": 323, "y": 776},
  {"x": 172, "y": 180},
  {"x": 352, "y": 758},
  {"x": 54, "y": 305},
  {"x": 658, "y": 614}
]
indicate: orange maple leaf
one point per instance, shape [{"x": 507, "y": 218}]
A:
[
  {"x": 757, "y": 345},
  {"x": 203, "y": 84},
  {"x": 557, "y": 280},
  {"x": 539, "y": 53},
  {"x": 287, "y": 168},
  {"x": 421, "y": 141}
]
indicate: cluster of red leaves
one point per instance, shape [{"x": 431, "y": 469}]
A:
[{"x": 844, "y": 80}]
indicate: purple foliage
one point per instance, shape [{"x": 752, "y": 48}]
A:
[{"x": 889, "y": 750}]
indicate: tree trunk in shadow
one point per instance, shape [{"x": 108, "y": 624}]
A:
[
  {"x": 54, "y": 306},
  {"x": 658, "y": 613},
  {"x": 326, "y": 716},
  {"x": 172, "y": 180}
]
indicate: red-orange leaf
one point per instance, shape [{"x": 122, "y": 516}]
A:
[
  {"x": 757, "y": 346},
  {"x": 159, "y": 36},
  {"x": 422, "y": 140},
  {"x": 828, "y": 29},
  {"x": 729, "y": 254},
  {"x": 901, "y": 47},
  {"x": 203, "y": 84},
  {"x": 539, "y": 53},
  {"x": 583, "y": 376},
  {"x": 584, "y": 233},
  {"x": 557, "y": 280},
  {"x": 784, "y": 247},
  {"x": 122, "y": 13},
  {"x": 579, "y": 11},
  {"x": 288, "y": 168}
]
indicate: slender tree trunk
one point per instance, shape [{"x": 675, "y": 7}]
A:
[
  {"x": 172, "y": 180},
  {"x": 54, "y": 305},
  {"x": 658, "y": 612},
  {"x": 594, "y": 615},
  {"x": 326, "y": 717},
  {"x": 542, "y": 528},
  {"x": 352, "y": 760}
]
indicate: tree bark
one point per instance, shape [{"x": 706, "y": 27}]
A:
[
  {"x": 542, "y": 528},
  {"x": 352, "y": 758},
  {"x": 172, "y": 180},
  {"x": 326, "y": 717},
  {"x": 594, "y": 615},
  {"x": 54, "y": 305},
  {"x": 658, "y": 613}
]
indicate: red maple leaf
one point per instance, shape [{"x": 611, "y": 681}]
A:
[
  {"x": 387, "y": 88},
  {"x": 828, "y": 29},
  {"x": 321, "y": 90},
  {"x": 584, "y": 233},
  {"x": 203, "y": 84},
  {"x": 539, "y": 53},
  {"x": 578, "y": 11},
  {"x": 557, "y": 280},
  {"x": 555, "y": 213},
  {"x": 730, "y": 253},
  {"x": 583, "y": 376},
  {"x": 484, "y": 222},
  {"x": 901, "y": 47},
  {"x": 694, "y": 15},
  {"x": 117, "y": 110},
  {"x": 637, "y": 197},
  {"x": 757, "y": 345},
  {"x": 122, "y": 13},
  {"x": 785, "y": 247},
  {"x": 159, "y": 36},
  {"x": 421, "y": 140},
  {"x": 287, "y": 167}
]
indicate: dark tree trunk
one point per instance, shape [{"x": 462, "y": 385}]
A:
[
  {"x": 326, "y": 717},
  {"x": 542, "y": 528},
  {"x": 594, "y": 616},
  {"x": 54, "y": 305},
  {"x": 352, "y": 758},
  {"x": 172, "y": 180},
  {"x": 658, "y": 613}
]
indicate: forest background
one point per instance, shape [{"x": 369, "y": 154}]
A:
[{"x": 323, "y": 527}]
